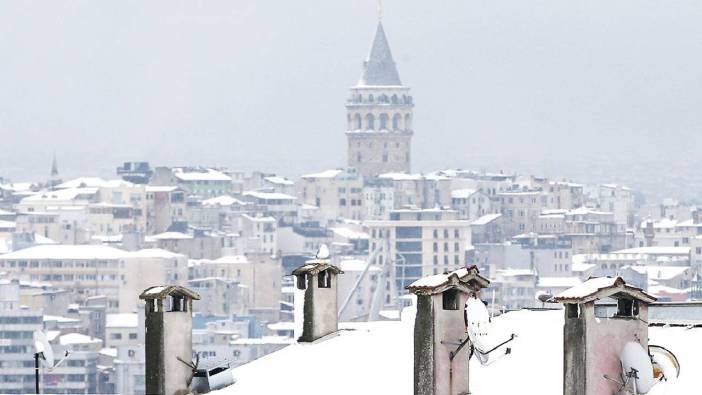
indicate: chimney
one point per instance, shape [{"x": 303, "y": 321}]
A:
[
  {"x": 594, "y": 336},
  {"x": 440, "y": 356},
  {"x": 316, "y": 283},
  {"x": 169, "y": 348}
]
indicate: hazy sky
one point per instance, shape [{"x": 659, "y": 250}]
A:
[{"x": 604, "y": 88}]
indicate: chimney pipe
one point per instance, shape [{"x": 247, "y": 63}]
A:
[
  {"x": 316, "y": 285},
  {"x": 168, "y": 338}
]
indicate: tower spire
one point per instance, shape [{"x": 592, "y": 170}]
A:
[
  {"x": 54, "y": 167},
  {"x": 380, "y": 10},
  {"x": 379, "y": 68}
]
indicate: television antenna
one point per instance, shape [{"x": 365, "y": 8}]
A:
[{"x": 43, "y": 350}]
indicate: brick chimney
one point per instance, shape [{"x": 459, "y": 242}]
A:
[
  {"x": 440, "y": 336},
  {"x": 317, "y": 279},
  {"x": 169, "y": 348},
  {"x": 593, "y": 338}
]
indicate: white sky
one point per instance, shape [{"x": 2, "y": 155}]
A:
[{"x": 598, "y": 89}]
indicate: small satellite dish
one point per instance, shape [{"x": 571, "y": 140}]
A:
[
  {"x": 665, "y": 363},
  {"x": 637, "y": 367},
  {"x": 43, "y": 348},
  {"x": 323, "y": 252}
]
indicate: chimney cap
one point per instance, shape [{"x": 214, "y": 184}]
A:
[
  {"x": 602, "y": 287},
  {"x": 438, "y": 283},
  {"x": 161, "y": 291},
  {"x": 315, "y": 267}
]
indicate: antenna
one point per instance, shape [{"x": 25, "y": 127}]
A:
[{"x": 43, "y": 350}]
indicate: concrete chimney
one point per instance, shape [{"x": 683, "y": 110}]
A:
[
  {"x": 317, "y": 278},
  {"x": 440, "y": 331},
  {"x": 593, "y": 337},
  {"x": 169, "y": 347}
]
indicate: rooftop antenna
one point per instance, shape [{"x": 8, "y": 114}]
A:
[{"x": 43, "y": 350}]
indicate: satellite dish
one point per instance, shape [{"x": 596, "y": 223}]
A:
[
  {"x": 43, "y": 348},
  {"x": 637, "y": 367},
  {"x": 478, "y": 323},
  {"x": 323, "y": 252},
  {"x": 665, "y": 363}
]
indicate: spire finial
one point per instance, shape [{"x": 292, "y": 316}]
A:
[{"x": 380, "y": 10}]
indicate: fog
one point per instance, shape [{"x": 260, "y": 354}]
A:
[{"x": 593, "y": 90}]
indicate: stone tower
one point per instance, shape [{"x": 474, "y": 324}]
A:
[{"x": 379, "y": 115}]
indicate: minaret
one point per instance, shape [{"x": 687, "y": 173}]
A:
[
  {"x": 379, "y": 115},
  {"x": 54, "y": 179}
]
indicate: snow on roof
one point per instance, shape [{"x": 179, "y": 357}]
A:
[
  {"x": 486, "y": 219},
  {"x": 94, "y": 182},
  {"x": 7, "y": 224},
  {"x": 160, "y": 188},
  {"x": 269, "y": 195},
  {"x": 224, "y": 200},
  {"x": 60, "y": 319},
  {"x": 515, "y": 272},
  {"x": 124, "y": 320},
  {"x": 325, "y": 174},
  {"x": 350, "y": 234},
  {"x": 662, "y": 290},
  {"x": 462, "y": 193},
  {"x": 655, "y": 250},
  {"x": 401, "y": 176},
  {"x": 77, "y": 338},
  {"x": 200, "y": 175},
  {"x": 381, "y": 353},
  {"x": 232, "y": 259},
  {"x": 109, "y": 351},
  {"x": 279, "y": 180},
  {"x": 66, "y": 251},
  {"x": 558, "y": 282},
  {"x": 440, "y": 282},
  {"x": 599, "y": 287},
  {"x": 154, "y": 253},
  {"x": 67, "y": 194},
  {"x": 281, "y": 326},
  {"x": 171, "y": 236},
  {"x": 661, "y": 272}
]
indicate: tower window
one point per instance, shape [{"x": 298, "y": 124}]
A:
[
  {"x": 396, "y": 119},
  {"x": 383, "y": 121},
  {"x": 370, "y": 121},
  {"x": 385, "y": 157},
  {"x": 371, "y": 98},
  {"x": 358, "y": 121}
]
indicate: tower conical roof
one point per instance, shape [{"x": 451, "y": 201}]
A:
[
  {"x": 379, "y": 68},
  {"x": 54, "y": 167}
]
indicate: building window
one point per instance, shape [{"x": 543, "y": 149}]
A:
[{"x": 450, "y": 299}]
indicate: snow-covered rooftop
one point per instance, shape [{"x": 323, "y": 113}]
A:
[
  {"x": 224, "y": 201},
  {"x": 325, "y": 174},
  {"x": 171, "y": 236},
  {"x": 200, "y": 175},
  {"x": 269, "y": 195},
  {"x": 78, "y": 338},
  {"x": 66, "y": 251},
  {"x": 377, "y": 358},
  {"x": 277, "y": 180},
  {"x": 123, "y": 320},
  {"x": 655, "y": 250},
  {"x": 462, "y": 193},
  {"x": 486, "y": 219}
]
